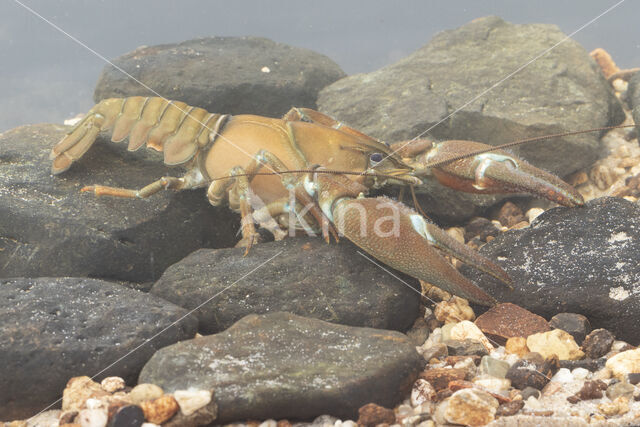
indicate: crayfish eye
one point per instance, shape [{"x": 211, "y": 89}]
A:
[{"x": 375, "y": 157}]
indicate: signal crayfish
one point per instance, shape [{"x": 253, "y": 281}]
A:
[{"x": 310, "y": 167}]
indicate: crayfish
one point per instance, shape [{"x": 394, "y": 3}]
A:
[{"x": 319, "y": 169}]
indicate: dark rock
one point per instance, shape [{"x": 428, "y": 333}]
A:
[
  {"x": 509, "y": 408},
  {"x": 526, "y": 374},
  {"x": 590, "y": 390},
  {"x": 223, "y": 75},
  {"x": 371, "y": 415},
  {"x": 306, "y": 277},
  {"x": 284, "y": 366},
  {"x": 527, "y": 392},
  {"x": 575, "y": 324},
  {"x": 581, "y": 260},
  {"x": 128, "y": 416},
  {"x": 597, "y": 343},
  {"x": 588, "y": 364},
  {"x": 562, "y": 90},
  {"x": 633, "y": 378},
  {"x": 480, "y": 227},
  {"x": 58, "y": 328},
  {"x": 439, "y": 377},
  {"x": 505, "y": 321},
  {"x": 467, "y": 347},
  {"x": 550, "y": 366},
  {"x": 419, "y": 332},
  {"x": 49, "y": 228}
]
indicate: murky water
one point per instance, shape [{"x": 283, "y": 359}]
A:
[{"x": 46, "y": 76}]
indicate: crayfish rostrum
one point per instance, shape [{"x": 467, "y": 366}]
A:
[{"x": 319, "y": 169}]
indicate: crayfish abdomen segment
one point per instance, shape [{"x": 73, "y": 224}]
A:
[{"x": 172, "y": 127}]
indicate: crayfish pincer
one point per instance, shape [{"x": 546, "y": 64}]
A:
[{"x": 316, "y": 170}]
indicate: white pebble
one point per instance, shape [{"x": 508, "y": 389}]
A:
[
  {"x": 347, "y": 423},
  {"x": 533, "y": 403},
  {"x": 92, "y": 418},
  {"x": 112, "y": 384},
  {"x": 265, "y": 70},
  {"x": 495, "y": 385},
  {"x": 191, "y": 400},
  {"x": 533, "y": 213},
  {"x": 422, "y": 392},
  {"x": 149, "y": 425},
  {"x": 511, "y": 358},
  {"x": 563, "y": 376},
  {"x": 580, "y": 373},
  {"x": 271, "y": 423}
]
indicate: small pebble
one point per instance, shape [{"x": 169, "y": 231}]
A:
[
  {"x": 438, "y": 351},
  {"x": 439, "y": 377},
  {"x": 112, "y": 384},
  {"x": 556, "y": 342},
  {"x": 534, "y": 213},
  {"x": 493, "y": 367},
  {"x": 563, "y": 376},
  {"x": 525, "y": 374},
  {"x": 590, "y": 390},
  {"x": 422, "y": 392},
  {"x": 624, "y": 363},
  {"x": 128, "y": 416},
  {"x": 481, "y": 228},
  {"x": 470, "y": 407},
  {"x": 619, "y": 406},
  {"x": 580, "y": 373},
  {"x": 575, "y": 324},
  {"x": 465, "y": 347},
  {"x": 191, "y": 400},
  {"x": 633, "y": 378},
  {"x": 597, "y": 343},
  {"x": 588, "y": 364},
  {"x": 527, "y": 392},
  {"x": 454, "y": 310},
  {"x": 517, "y": 346},
  {"x": 161, "y": 409},
  {"x": 510, "y": 408},
  {"x": 510, "y": 215},
  {"x": 620, "y": 389},
  {"x": 372, "y": 415},
  {"x": 495, "y": 385},
  {"x": 92, "y": 418},
  {"x": 144, "y": 392},
  {"x": 467, "y": 329}
]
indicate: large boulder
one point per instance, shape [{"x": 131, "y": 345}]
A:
[
  {"x": 284, "y": 366},
  {"x": 49, "y": 228},
  {"x": 304, "y": 276},
  {"x": 488, "y": 81},
  {"x": 581, "y": 260},
  {"x": 57, "y": 328},
  {"x": 230, "y": 75}
]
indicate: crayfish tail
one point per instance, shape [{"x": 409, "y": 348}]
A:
[{"x": 76, "y": 143}]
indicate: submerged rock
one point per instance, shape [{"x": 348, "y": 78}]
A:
[
  {"x": 284, "y": 366},
  {"x": 304, "y": 276},
  {"x": 580, "y": 260},
  {"x": 58, "y": 328},
  {"x": 227, "y": 75},
  {"x": 49, "y": 228},
  {"x": 562, "y": 90}
]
